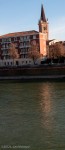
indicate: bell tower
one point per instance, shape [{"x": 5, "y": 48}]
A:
[{"x": 43, "y": 24}]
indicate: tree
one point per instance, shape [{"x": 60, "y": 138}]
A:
[
  {"x": 56, "y": 50},
  {"x": 13, "y": 51},
  {"x": 34, "y": 51}
]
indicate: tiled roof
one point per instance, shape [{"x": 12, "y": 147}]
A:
[{"x": 16, "y": 34}]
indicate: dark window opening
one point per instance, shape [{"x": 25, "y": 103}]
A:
[{"x": 17, "y": 63}]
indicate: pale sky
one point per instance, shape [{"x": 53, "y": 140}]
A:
[{"x": 23, "y": 15}]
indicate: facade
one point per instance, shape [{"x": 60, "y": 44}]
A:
[{"x": 23, "y": 40}]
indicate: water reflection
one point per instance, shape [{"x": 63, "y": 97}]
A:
[
  {"x": 47, "y": 105},
  {"x": 52, "y": 110},
  {"x": 46, "y": 99},
  {"x": 33, "y": 114}
]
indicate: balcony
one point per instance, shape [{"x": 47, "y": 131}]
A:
[
  {"x": 23, "y": 53},
  {"x": 5, "y": 42},
  {"x": 4, "y": 48},
  {"x": 24, "y": 46},
  {"x": 5, "y": 54}
]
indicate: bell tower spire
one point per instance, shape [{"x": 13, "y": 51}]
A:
[
  {"x": 43, "y": 18},
  {"x": 43, "y": 24}
]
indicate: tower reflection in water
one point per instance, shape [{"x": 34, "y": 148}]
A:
[{"x": 47, "y": 105}]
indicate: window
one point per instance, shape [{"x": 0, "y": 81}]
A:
[
  {"x": 27, "y": 43},
  {"x": 5, "y": 63},
  {"x": 25, "y": 38},
  {"x": 5, "y": 52},
  {"x": 9, "y": 39},
  {"x": 21, "y": 38},
  {"x": 6, "y": 40},
  {"x": 24, "y": 44},
  {"x": 21, "y": 44},
  {"x": 7, "y": 46},
  {"x": 28, "y": 37},
  {"x": 24, "y": 56},
  {"x": 11, "y": 63},
  {"x": 15, "y": 38},
  {"x": 45, "y": 28},
  {"x": 22, "y": 62},
  {"x": 34, "y": 36},
  {"x": 17, "y": 63},
  {"x": 22, "y": 50},
  {"x": 8, "y": 63},
  {"x": 16, "y": 45},
  {"x": 3, "y": 46},
  {"x": 3, "y": 40}
]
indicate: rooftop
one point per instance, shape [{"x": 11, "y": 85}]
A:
[{"x": 16, "y": 34}]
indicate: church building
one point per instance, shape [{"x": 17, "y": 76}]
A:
[{"x": 23, "y": 40}]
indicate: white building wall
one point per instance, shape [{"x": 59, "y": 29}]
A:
[
  {"x": 16, "y": 62},
  {"x": 53, "y": 42}
]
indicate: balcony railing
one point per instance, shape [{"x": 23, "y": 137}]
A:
[
  {"x": 3, "y": 42},
  {"x": 24, "y": 46},
  {"x": 3, "y": 48}
]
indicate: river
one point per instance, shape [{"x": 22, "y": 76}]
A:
[{"x": 32, "y": 116}]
